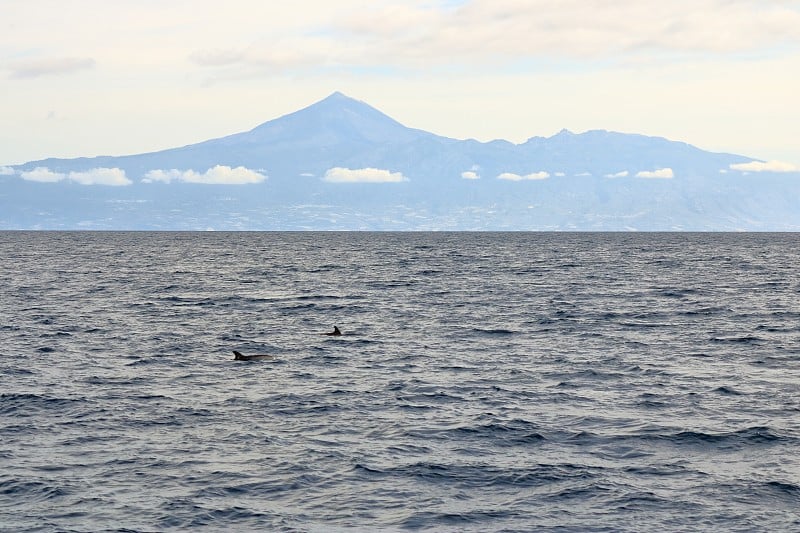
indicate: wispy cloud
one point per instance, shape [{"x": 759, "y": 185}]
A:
[
  {"x": 769, "y": 166},
  {"x": 6, "y": 171},
  {"x": 280, "y": 55},
  {"x": 579, "y": 28},
  {"x": 34, "y": 68},
  {"x": 95, "y": 176},
  {"x": 216, "y": 57},
  {"x": 470, "y": 175},
  {"x": 218, "y": 175},
  {"x": 362, "y": 175},
  {"x": 420, "y": 34},
  {"x": 509, "y": 176},
  {"x": 623, "y": 174},
  {"x": 661, "y": 173}
]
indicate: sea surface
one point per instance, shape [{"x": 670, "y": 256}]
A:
[{"x": 484, "y": 382}]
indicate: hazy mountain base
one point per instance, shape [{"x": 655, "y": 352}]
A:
[{"x": 583, "y": 204}]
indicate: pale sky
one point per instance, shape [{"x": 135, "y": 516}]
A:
[{"x": 114, "y": 77}]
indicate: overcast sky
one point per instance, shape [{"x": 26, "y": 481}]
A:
[{"x": 113, "y": 77}]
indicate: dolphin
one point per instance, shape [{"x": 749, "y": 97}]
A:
[
  {"x": 237, "y": 356},
  {"x": 334, "y": 333}
]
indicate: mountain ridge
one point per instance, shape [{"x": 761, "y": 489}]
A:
[
  {"x": 331, "y": 111},
  {"x": 373, "y": 172}
]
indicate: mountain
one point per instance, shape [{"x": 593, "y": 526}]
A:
[{"x": 342, "y": 164}]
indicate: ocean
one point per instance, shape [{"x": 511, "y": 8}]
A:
[{"x": 483, "y": 382}]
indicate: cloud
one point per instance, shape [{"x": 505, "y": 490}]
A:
[
  {"x": 420, "y": 34},
  {"x": 95, "y": 176},
  {"x": 623, "y": 174},
  {"x": 7, "y": 171},
  {"x": 42, "y": 175},
  {"x": 101, "y": 176},
  {"x": 34, "y": 68},
  {"x": 516, "y": 177},
  {"x": 281, "y": 54},
  {"x": 218, "y": 175},
  {"x": 362, "y": 175},
  {"x": 470, "y": 175},
  {"x": 216, "y": 58},
  {"x": 662, "y": 173},
  {"x": 165, "y": 176},
  {"x": 769, "y": 166}
]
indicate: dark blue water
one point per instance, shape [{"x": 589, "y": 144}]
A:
[{"x": 485, "y": 382}]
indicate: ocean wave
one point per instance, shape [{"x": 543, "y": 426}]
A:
[
  {"x": 484, "y": 476},
  {"x": 31, "y": 491},
  {"x": 509, "y": 433},
  {"x": 27, "y": 405},
  {"x": 752, "y": 436},
  {"x": 425, "y": 520},
  {"x": 185, "y": 514}
]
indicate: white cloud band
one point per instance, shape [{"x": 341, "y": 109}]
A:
[
  {"x": 509, "y": 176},
  {"x": 42, "y": 175},
  {"x": 218, "y": 175},
  {"x": 95, "y": 176},
  {"x": 769, "y": 166},
  {"x": 623, "y": 174},
  {"x": 101, "y": 176},
  {"x": 661, "y": 173},
  {"x": 362, "y": 175}
]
